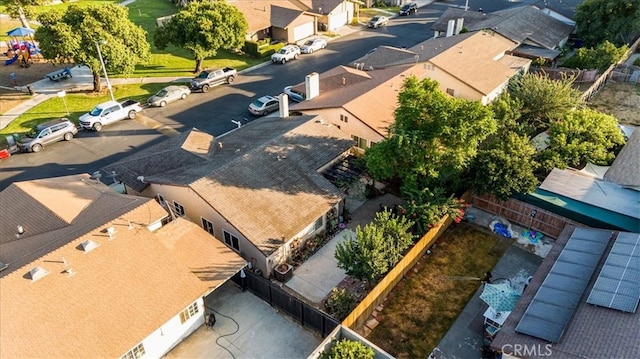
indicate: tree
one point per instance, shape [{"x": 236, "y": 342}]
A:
[
  {"x": 22, "y": 9},
  {"x": 202, "y": 28},
  {"x": 504, "y": 166},
  {"x": 603, "y": 56},
  {"x": 376, "y": 248},
  {"x": 543, "y": 99},
  {"x": 348, "y": 349},
  {"x": 433, "y": 139},
  {"x": 615, "y": 20},
  {"x": 426, "y": 208},
  {"x": 581, "y": 137},
  {"x": 73, "y": 36}
]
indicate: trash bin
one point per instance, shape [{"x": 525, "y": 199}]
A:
[{"x": 4, "y": 154}]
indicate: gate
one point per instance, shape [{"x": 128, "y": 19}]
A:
[{"x": 305, "y": 314}]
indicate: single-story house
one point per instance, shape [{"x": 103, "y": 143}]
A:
[
  {"x": 625, "y": 169},
  {"x": 582, "y": 301},
  {"x": 88, "y": 272},
  {"x": 258, "y": 188}
]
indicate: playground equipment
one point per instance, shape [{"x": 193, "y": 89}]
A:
[{"x": 59, "y": 74}]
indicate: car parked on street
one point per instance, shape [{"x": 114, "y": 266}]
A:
[
  {"x": 312, "y": 45},
  {"x": 408, "y": 9},
  {"x": 294, "y": 95},
  {"x": 286, "y": 53},
  {"x": 377, "y": 21},
  {"x": 46, "y": 133},
  {"x": 264, "y": 105},
  {"x": 168, "y": 95}
]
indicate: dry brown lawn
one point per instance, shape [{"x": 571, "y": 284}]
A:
[
  {"x": 621, "y": 100},
  {"x": 420, "y": 310}
]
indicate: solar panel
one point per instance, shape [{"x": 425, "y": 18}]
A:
[
  {"x": 618, "y": 284},
  {"x": 555, "y": 301}
]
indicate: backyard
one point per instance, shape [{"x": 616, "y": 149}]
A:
[{"x": 420, "y": 310}]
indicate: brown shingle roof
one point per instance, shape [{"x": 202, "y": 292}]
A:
[
  {"x": 592, "y": 332},
  {"x": 259, "y": 13},
  {"x": 625, "y": 169},
  {"x": 54, "y": 211},
  {"x": 118, "y": 294}
]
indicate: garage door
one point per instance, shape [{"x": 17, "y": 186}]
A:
[
  {"x": 303, "y": 31},
  {"x": 337, "y": 21}
]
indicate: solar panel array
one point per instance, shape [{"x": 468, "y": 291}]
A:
[
  {"x": 555, "y": 301},
  {"x": 618, "y": 284}
]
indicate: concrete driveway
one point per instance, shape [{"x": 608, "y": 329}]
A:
[
  {"x": 249, "y": 328},
  {"x": 318, "y": 275}
]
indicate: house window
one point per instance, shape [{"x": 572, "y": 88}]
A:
[
  {"x": 360, "y": 142},
  {"x": 318, "y": 224},
  {"x": 189, "y": 312},
  {"x": 373, "y": 144},
  {"x": 207, "y": 226},
  {"x": 450, "y": 92},
  {"x": 428, "y": 67},
  {"x": 136, "y": 352},
  {"x": 231, "y": 241},
  {"x": 178, "y": 208},
  {"x": 344, "y": 118},
  {"x": 161, "y": 200}
]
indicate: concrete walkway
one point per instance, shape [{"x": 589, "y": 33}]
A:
[{"x": 318, "y": 275}]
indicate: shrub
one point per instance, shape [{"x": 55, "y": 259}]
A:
[
  {"x": 636, "y": 62},
  {"x": 340, "y": 303},
  {"x": 601, "y": 57},
  {"x": 348, "y": 349}
]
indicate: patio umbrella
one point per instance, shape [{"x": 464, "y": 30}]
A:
[
  {"x": 20, "y": 31},
  {"x": 501, "y": 296}
]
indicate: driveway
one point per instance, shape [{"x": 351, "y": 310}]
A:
[{"x": 247, "y": 327}]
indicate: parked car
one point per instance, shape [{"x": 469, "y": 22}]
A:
[
  {"x": 264, "y": 105},
  {"x": 408, "y": 9},
  {"x": 46, "y": 133},
  {"x": 312, "y": 45},
  {"x": 168, "y": 95},
  {"x": 109, "y": 112},
  {"x": 286, "y": 53},
  {"x": 212, "y": 77},
  {"x": 377, "y": 21},
  {"x": 294, "y": 95}
]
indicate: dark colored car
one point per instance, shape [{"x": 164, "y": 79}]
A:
[{"x": 408, "y": 9}]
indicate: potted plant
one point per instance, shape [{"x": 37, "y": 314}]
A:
[{"x": 283, "y": 272}]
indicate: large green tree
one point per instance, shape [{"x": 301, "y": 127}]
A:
[
  {"x": 581, "y": 137},
  {"x": 74, "y": 35},
  {"x": 543, "y": 99},
  {"x": 22, "y": 9},
  {"x": 202, "y": 28},
  {"x": 433, "y": 139},
  {"x": 600, "y": 57},
  {"x": 615, "y": 20}
]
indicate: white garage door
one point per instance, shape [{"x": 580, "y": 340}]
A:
[
  {"x": 303, "y": 31},
  {"x": 337, "y": 21}
]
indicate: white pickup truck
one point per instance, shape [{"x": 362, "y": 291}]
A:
[{"x": 109, "y": 112}]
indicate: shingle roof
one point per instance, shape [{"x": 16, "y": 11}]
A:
[
  {"x": 117, "y": 294},
  {"x": 361, "y": 93},
  {"x": 385, "y": 56},
  {"x": 625, "y": 169},
  {"x": 258, "y": 13},
  {"x": 565, "y": 8},
  {"x": 191, "y": 147},
  {"x": 592, "y": 332},
  {"x": 255, "y": 174},
  {"x": 470, "y": 18},
  {"x": 53, "y": 212},
  {"x": 282, "y": 17},
  {"x": 526, "y": 23}
]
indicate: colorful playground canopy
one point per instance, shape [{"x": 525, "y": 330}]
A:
[{"x": 20, "y": 31}]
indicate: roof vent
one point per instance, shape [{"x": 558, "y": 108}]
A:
[
  {"x": 111, "y": 231},
  {"x": 3, "y": 266},
  {"x": 37, "y": 273},
  {"x": 88, "y": 245}
]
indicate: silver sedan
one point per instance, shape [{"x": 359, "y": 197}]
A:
[
  {"x": 312, "y": 45},
  {"x": 169, "y": 94}
]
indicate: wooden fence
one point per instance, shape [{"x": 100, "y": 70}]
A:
[
  {"x": 524, "y": 214},
  {"x": 362, "y": 312}
]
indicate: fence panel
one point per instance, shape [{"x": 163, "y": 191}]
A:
[{"x": 284, "y": 301}]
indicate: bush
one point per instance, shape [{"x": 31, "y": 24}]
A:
[
  {"x": 348, "y": 349},
  {"x": 603, "y": 56},
  {"x": 636, "y": 62},
  {"x": 340, "y": 303}
]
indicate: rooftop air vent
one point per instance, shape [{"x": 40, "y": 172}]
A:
[
  {"x": 88, "y": 245},
  {"x": 37, "y": 273}
]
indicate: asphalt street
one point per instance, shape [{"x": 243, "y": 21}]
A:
[{"x": 213, "y": 111}]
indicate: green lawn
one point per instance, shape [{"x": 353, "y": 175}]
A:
[
  {"x": 420, "y": 310},
  {"x": 78, "y": 104}
]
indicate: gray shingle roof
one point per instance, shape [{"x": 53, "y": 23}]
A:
[
  {"x": 385, "y": 56},
  {"x": 563, "y": 7},
  {"x": 592, "y": 332},
  {"x": 625, "y": 169},
  {"x": 282, "y": 17},
  {"x": 53, "y": 212},
  {"x": 470, "y": 18}
]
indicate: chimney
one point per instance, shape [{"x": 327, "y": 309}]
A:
[
  {"x": 450, "y": 25},
  {"x": 459, "y": 24},
  {"x": 284, "y": 105},
  {"x": 312, "y": 85}
]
